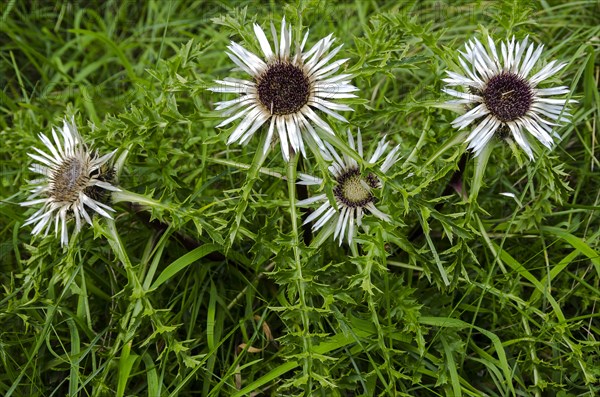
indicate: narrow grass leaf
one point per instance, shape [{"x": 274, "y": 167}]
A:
[
  {"x": 181, "y": 263},
  {"x": 576, "y": 243}
]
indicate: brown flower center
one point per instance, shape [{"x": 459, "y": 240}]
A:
[
  {"x": 507, "y": 96},
  {"x": 353, "y": 190},
  {"x": 69, "y": 180},
  {"x": 283, "y": 88}
]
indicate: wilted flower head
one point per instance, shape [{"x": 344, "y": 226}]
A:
[
  {"x": 73, "y": 178},
  {"x": 285, "y": 89},
  {"x": 505, "y": 93},
  {"x": 352, "y": 192}
]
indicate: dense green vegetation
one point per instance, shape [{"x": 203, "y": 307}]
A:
[{"x": 484, "y": 283}]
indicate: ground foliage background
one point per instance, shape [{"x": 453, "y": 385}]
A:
[{"x": 192, "y": 291}]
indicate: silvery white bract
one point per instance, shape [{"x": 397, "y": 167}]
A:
[
  {"x": 353, "y": 191},
  {"x": 504, "y": 93},
  {"x": 72, "y": 179},
  {"x": 285, "y": 89}
]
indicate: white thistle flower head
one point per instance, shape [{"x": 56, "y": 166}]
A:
[
  {"x": 72, "y": 178},
  {"x": 285, "y": 89},
  {"x": 504, "y": 92},
  {"x": 352, "y": 192}
]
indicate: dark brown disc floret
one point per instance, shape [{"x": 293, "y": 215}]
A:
[
  {"x": 283, "y": 88},
  {"x": 507, "y": 96},
  {"x": 353, "y": 190}
]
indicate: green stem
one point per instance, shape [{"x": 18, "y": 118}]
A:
[
  {"x": 129, "y": 323},
  {"x": 457, "y": 139},
  {"x": 243, "y": 166},
  {"x": 480, "y": 164},
  {"x": 259, "y": 158},
  {"x": 130, "y": 197},
  {"x": 299, "y": 279}
]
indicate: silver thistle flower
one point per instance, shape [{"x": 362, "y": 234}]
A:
[
  {"x": 284, "y": 89},
  {"x": 353, "y": 191},
  {"x": 73, "y": 178},
  {"x": 506, "y": 95}
]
